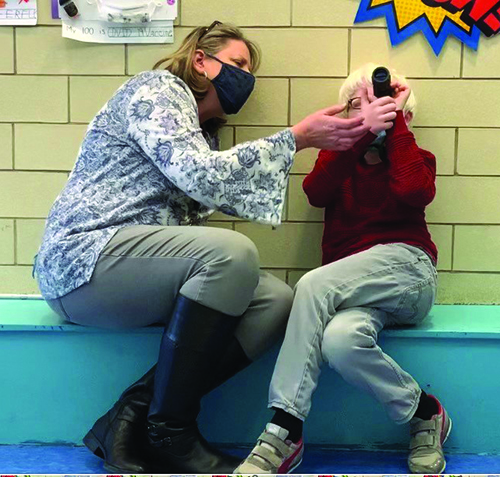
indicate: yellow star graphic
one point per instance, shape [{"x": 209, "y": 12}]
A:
[{"x": 408, "y": 11}]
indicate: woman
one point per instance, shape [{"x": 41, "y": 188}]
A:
[{"x": 118, "y": 253}]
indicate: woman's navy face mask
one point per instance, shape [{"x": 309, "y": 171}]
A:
[{"x": 233, "y": 86}]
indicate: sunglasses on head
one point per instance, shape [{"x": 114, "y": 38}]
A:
[{"x": 207, "y": 30}]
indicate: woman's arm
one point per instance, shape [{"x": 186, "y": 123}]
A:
[
  {"x": 325, "y": 130},
  {"x": 248, "y": 180}
]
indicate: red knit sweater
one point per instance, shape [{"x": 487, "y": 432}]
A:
[{"x": 367, "y": 205}]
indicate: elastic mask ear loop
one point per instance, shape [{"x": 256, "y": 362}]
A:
[{"x": 133, "y": 11}]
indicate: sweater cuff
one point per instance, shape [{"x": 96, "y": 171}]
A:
[
  {"x": 364, "y": 142},
  {"x": 400, "y": 126}
]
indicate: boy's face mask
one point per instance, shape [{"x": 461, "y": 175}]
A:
[
  {"x": 380, "y": 140},
  {"x": 378, "y": 145},
  {"x": 233, "y": 86}
]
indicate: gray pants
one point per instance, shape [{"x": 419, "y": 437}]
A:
[
  {"x": 143, "y": 268},
  {"x": 337, "y": 313}
]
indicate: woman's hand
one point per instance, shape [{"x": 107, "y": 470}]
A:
[
  {"x": 401, "y": 94},
  {"x": 324, "y": 130},
  {"x": 378, "y": 112}
]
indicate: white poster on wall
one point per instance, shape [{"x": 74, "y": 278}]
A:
[
  {"x": 105, "y": 32},
  {"x": 121, "y": 21},
  {"x": 18, "y": 12}
]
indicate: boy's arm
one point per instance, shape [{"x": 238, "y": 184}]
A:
[
  {"x": 331, "y": 170},
  {"x": 412, "y": 170}
]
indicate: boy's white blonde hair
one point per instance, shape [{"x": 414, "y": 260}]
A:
[{"x": 364, "y": 75}]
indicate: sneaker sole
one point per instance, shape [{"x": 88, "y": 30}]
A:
[
  {"x": 449, "y": 430},
  {"x": 444, "y": 440},
  {"x": 294, "y": 466}
]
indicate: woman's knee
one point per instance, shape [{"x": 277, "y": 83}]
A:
[
  {"x": 239, "y": 254},
  {"x": 230, "y": 274},
  {"x": 264, "y": 324},
  {"x": 281, "y": 303}
]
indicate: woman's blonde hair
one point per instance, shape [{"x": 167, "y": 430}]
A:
[
  {"x": 364, "y": 75},
  {"x": 211, "y": 41}
]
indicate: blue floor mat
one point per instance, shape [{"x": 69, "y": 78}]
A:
[{"x": 78, "y": 460}]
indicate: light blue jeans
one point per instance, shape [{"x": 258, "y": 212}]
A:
[{"x": 338, "y": 311}]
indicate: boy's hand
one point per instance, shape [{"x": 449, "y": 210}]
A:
[
  {"x": 378, "y": 112},
  {"x": 401, "y": 94}
]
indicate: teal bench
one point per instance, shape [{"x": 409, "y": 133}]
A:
[{"x": 58, "y": 377}]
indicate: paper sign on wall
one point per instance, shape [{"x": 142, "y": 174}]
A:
[
  {"x": 18, "y": 12},
  {"x": 104, "y": 32},
  {"x": 121, "y": 21},
  {"x": 436, "y": 19}
]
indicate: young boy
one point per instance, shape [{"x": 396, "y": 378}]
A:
[{"x": 378, "y": 269}]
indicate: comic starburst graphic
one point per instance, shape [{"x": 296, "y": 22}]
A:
[{"x": 407, "y": 17}]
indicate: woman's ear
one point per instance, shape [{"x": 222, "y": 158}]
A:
[
  {"x": 199, "y": 61},
  {"x": 408, "y": 117}
]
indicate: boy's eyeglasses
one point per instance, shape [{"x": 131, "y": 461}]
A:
[
  {"x": 354, "y": 103},
  {"x": 207, "y": 30}
]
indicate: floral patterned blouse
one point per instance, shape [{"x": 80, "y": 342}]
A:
[{"x": 144, "y": 160}]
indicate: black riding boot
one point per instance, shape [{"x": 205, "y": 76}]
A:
[
  {"x": 192, "y": 346},
  {"x": 118, "y": 437},
  {"x": 234, "y": 360}
]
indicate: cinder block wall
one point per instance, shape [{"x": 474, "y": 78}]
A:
[{"x": 51, "y": 87}]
